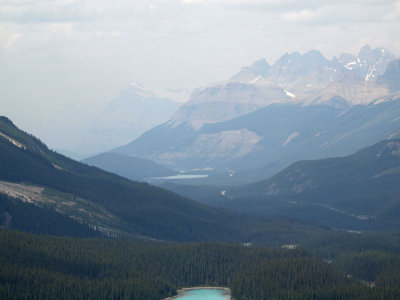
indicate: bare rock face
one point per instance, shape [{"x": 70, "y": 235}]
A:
[
  {"x": 351, "y": 87},
  {"x": 391, "y": 77},
  {"x": 221, "y": 146},
  {"x": 226, "y": 101}
]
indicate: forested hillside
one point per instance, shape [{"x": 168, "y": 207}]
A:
[
  {"x": 355, "y": 192},
  {"x": 358, "y": 191},
  {"x": 41, "y": 267},
  {"x": 134, "y": 208}
]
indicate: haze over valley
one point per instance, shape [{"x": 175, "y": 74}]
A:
[{"x": 193, "y": 149}]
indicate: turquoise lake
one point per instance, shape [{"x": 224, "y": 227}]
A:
[
  {"x": 180, "y": 176},
  {"x": 204, "y": 294}
]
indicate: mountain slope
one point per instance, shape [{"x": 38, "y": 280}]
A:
[
  {"x": 28, "y": 217},
  {"x": 359, "y": 191},
  {"x": 129, "y": 167},
  {"x": 109, "y": 203},
  {"x": 115, "y": 206},
  {"x": 259, "y": 144},
  {"x": 391, "y": 77}
]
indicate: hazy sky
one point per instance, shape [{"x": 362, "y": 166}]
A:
[{"x": 62, "y": 60}]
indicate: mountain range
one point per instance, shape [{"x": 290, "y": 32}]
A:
[
  {"x": 304, "y": 106},
  {"x": 44, "y": 192}
]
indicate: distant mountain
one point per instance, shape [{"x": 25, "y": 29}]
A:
[
  {"x": 222, "y": 102},
  {"x": 359, "y": 191},
  {"x": 258, "y": 69},
  {"x": 127, "y": 116},
  {"x": 304, "y": 74},
  {"x": 391, "y": 77},
  {"x": 369, "y": 63},
  {"x": 259, "y": 144},
  {"x": 42, "y": 191},
  {"x": 267, "y": 116},
  {"x": 348, "y": 86},
  {"x": 130, "y": 167},
  {"x": 292, "y": 78}
]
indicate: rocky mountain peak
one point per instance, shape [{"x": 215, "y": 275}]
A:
[
  {"x": 368, "y": 54},
  {"x": 260, "y": 67},
  {"x": 257, "y": 70},
  {"x": 370, "y": 63},
  {"x": 309, "y": 78},
  {"x": 315, "y": 55},
  {"x": 391, "y": 77}
]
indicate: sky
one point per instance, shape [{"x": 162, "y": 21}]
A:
[{"x": 62, "y": 61}]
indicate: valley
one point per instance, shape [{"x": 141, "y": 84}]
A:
[
  {"x": 355, "y": 192},
  {"x": 281, "y": 182}
]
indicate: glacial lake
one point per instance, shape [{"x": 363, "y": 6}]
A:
[
  {"x": 203, "y": 294},
  {"x": 180, "y": 176}
]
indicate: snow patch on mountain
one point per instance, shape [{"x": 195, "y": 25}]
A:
[
  {"x": 255, "y": 79},
  {"x": 289, "y": 94},
  {"x": 370, "y": 73},
  {"x": 348, "y": 66},
  {"x": 137, "y": 85},
  {"x": 291, "y": 137}
]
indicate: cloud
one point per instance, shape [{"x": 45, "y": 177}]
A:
[
  {"x": 118, "y": 11},
  {"x": 287, "y": 5},
  {"x": 42, "y": 11},
  {"x": 394, "y": 14},
  {"x": 79, "y": 53},
  {"x": 339, "y": 14},
  {"x": 12, "y": 40},
  {"x": 312, "y": 12},
  {"x": 59, "y": 11}
]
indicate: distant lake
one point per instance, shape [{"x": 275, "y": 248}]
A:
[
  {"x": 180, "y": 176},
  {"x": 204, "y": 294}
]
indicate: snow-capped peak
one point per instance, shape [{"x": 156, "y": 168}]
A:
[{"x": 137, "y": 85}]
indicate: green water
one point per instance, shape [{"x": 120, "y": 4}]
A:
[{"x": 204, "y": 294}]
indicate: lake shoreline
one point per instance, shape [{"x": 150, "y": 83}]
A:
[{"x": 180, "y": 292}]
